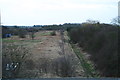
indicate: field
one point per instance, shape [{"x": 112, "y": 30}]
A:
[
  {"x": 45, "y": 56},
  {"x": 54, "y": 51}
]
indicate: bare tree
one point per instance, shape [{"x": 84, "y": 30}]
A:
[
  {"x": 116, "y": 21},
  {"x": 92, "y": 21}
]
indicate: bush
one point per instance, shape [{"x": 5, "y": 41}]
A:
[
  {"x": 22, "y": 33},
  {"x": 32, "y": 35},
  {"x": 101, "y": 42},
  {"x": 53, "y": 33}
]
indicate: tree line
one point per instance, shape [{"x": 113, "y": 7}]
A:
[{"x": 101, "y": 42}]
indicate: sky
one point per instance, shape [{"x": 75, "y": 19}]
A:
[{"x": 48, "y": 12}]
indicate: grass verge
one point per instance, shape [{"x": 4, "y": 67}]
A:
[
  {"x": 45, "y": 34},
  {"x": 9, "y": 41},
  {"x": 87, "y": 66}
]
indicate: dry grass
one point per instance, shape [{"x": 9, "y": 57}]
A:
[{"x": 12, "y": 53}]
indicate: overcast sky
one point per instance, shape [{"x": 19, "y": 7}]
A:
[{"x": 44, "y": 12}]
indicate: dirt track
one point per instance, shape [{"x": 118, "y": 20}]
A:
[{"x": 50, "y": 58}]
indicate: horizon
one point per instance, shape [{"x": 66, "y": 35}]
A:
[
  {"x": 39, "y": 12},
  {"x": 50, "y": 24}
]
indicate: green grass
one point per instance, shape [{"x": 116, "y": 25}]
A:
[
  {"x": 10, "y": 41},
  {"x": 31, "y": 40},
  {"x": 87, "y": 66},
  {"x": 45, "y": 34}
]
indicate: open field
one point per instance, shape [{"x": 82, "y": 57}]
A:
[
  {"x": 53, "y": 51},
  {"x": 46, "y": 57}
]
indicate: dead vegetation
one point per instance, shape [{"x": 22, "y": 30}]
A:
[
  {"x": 12, "y": 58},
  {"x": 43, "y": 57}
]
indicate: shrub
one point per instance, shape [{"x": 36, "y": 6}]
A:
[
  {"x": 22, "y": 33},
  {"x": 53, "y": 33},
  {"x": 101, "y": 42},
  {"x": 32, "y": 35}
]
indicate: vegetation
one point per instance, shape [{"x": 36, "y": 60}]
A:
[
  {"x": 87, "y": 66},
  {"x": 22, "y": 33},
  {"x": 32, "y": 35},
  {"x": 53, "y": 33},
  {"x": 100, "y": 41},
  {"x": 12, "y": 54}
]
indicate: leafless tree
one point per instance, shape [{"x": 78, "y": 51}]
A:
[{"x": 116, "y": 21}]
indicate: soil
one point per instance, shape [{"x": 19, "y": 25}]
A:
[{"x": 51, "y": 57}]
